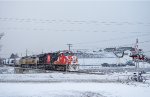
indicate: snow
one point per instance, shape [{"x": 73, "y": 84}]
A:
[
  {"x": 71, "y": 84},
  {"x": 62, "y": 77},
  {"x": 68, "y": 84},
  {"x": 108, "y": 75},
  {"x": 109, "y": 58},
  {"x": 96, "y": 61},
  {"x": 6, "y": 70},
  {"x": 72, "y": 90}
]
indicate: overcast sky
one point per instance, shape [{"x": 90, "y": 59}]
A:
[{"x": 49, "y": 26}]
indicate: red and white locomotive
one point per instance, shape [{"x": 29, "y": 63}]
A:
[{"x": 66, "y": 61}]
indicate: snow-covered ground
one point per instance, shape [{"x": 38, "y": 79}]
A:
[
  {"x": 63, "y": 84},
  {"x": 95, "y": 63},
  {"x": 63, "y": 77},
  {"x": 6, "y": 70},
  {"x": 68, "y": 84},
  {"x": 70, "y": 77},
  {"x": 110, "y": 58},
  {"x": 73, "y": 90}
]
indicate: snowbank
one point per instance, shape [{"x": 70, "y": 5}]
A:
[
  {"x": 61, "y": 77},
  {"x": 72, "y": 90},
  {"x": 68, "y": 77}
]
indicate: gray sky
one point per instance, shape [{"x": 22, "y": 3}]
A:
[{"x": 49, "y": 26}]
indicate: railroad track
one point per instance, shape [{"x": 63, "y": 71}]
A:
[
  {"x": 102, "y": 70},
  {"x": 27, "y": 70}
]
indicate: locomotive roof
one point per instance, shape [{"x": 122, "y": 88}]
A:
[{"x": 65, "y": 51}]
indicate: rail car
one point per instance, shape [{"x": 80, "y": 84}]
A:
[{"x": 11, "y": 61}]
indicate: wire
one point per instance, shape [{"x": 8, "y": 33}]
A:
[
  {"x": 113, "y": 39},
  {"x": 116, "y": 46},
  {"x": 72, "y": 21}
]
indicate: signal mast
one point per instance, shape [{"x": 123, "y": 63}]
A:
[{"x": 137, "y": 55}]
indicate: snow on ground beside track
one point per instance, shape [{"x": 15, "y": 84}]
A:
[
  {"x": 96, "y": 62},
  {"x": 6, "y": 70},
  {"x": 72, "y": 90},
  {"x": 63, "y": 84},
  {"x": 62, "y": 77},
  {"x": 69, "y": 77},
  {"x": 112, "y": 59},
  {"x": 55, "y": 76}
]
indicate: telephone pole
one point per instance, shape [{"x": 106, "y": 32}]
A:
[
  {"x": 26, "y": 52},
  {"x": 69, "y": 46}
]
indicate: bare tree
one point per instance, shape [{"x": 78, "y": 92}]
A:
[{"x": 1, "y": 35}]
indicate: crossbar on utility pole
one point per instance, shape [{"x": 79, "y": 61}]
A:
[{"x": 69, "y": 46}]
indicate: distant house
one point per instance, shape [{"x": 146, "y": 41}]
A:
[
  {"x": 13, "y": 56},
  {"x": 109, "y": 49}
]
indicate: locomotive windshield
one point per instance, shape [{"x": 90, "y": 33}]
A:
[{"x": 68, "y": 54}]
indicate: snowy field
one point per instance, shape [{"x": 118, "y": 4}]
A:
[
  {"x": 55, "y": 76},
  {"x": 69, "y": 84},
  {"x": 95, "y": 63},
  {"x": 62, "y": 84},
  {"x": 65, "y": 77},
  {"x": 73, "y": 90}
]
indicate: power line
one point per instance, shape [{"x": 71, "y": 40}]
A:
[
  {"x": 115, "y": 46},
  {"x": 138, "y": 43},
  {"x": 72, "y": 21},
  {"x": 113, "y": 39}
]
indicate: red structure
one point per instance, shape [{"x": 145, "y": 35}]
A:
[{"x": 136, "y": 53}]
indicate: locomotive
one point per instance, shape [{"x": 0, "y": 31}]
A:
[
  {"x": 61, "y": 60},
  {"x": 28, "y": 62}
]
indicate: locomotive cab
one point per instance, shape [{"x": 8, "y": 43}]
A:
[{"x": 66, "y": 61}]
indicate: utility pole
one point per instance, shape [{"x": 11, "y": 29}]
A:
[
  {"x": 69, "y": 45},
  {"x": 26, "y": 52},
  {"x": 42, "y": 51},
  {"x": 137, "y": 52},
  {"x": 137, "y": 60}
]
